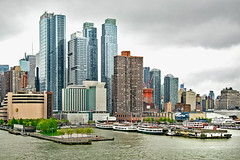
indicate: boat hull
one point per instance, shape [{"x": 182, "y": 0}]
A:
[{"x": 146, "y": 132}]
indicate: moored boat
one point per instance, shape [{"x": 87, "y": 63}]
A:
[
  {"x": 124, "y": 127},
  {"x": 150, "y": 129},
  {"x": 104, "y": 125}
]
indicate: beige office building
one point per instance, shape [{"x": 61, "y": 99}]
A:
[
  {"x": 27, "y": 106},
  {"x": 189, "y": 97}
]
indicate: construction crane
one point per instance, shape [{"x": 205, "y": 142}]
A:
[{"x": 149, "y": 81}]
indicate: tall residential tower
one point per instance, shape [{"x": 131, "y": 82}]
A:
[
  {"x": 155, "y": 78},
  {"x": 109, "y": 49},
  {"x": 77, "y": 59},
  {"x": 127, "y": 90},
  {"x": 171, "y": 90},
  {"x": 52, "y": 37},
  {"x": 90, "y": 32}
]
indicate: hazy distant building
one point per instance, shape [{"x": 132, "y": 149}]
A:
[
  {"x": 182, "y": 107},
  {"x": 168, "y": 107},
  {"x": 230, "y": 99},
  {"x": 189, "y": 97},
  {"x": 217, "y": 102},
  {"x": 211, "y": 95},
  {"x": 6, "y": 83},
  {"x": 146, "y": 76},
  {"x": 155, "y": 80},
  {"x": 32, "y": 68},
  {"x": 198, "y": 103},
  {"x": 3, "y": 68},
  {"x": 24, "y": 64},
  {"x": 77, "y": 59},
  {"x": 90, "y": 32},
  {"x": 52, "y": 56},
  {"x": 171, "y": 90},
  {"x": 109, "y": 49},
  {"x": 17, "y": 80},
  {"x": 204, "y": 103},
  {"x": 127, "y": 95}
]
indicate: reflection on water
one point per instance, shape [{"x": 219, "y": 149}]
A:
[{"x": 125, "y": 146}]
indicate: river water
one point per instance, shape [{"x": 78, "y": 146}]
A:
[{"x": 125, "y": 146}]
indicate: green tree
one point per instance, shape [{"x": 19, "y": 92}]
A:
[
  {"x": 68, "y": 132},
  {"x": 71, "y": 132},
  {"x": 82, "y": 131},
  {"x": 62, "y": 132},
  {"x": 78, "y": 131},
  {"x": 20, "y": 121},
  {"x": 89, "y": 131},
  {"x": 44, "y": 126},
  {"x": 164, "y": 119},
  {"x": 1, "y": 122},
  {"x": 148, "y": 119},
  {"x": 52, "y": 124}
]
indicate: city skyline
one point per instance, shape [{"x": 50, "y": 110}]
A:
[{"x": 208, "y": 43}]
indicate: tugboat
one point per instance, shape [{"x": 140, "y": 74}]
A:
[{"x": 124, "y": 127}]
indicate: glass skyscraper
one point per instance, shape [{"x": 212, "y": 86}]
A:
[
  {"x": 171, "y": 90},
  {"x": 52, "y": 58},
  {"x": 109, "y": 48},
  {"x": 146, "y": 76},
  {"x": 90, "y": 32},
  {"x": 3, "y": 68},
  {"x": 32, "y": 66},
  {"x": 77, "y": 59},
  {"x": 155, "y": 75}
]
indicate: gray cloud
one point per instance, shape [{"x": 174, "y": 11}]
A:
[
  {"x": 215, "y": 79},
  {"x": 209, "y": 24}
]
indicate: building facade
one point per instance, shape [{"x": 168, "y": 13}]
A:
[
  {"x": 77, "y": 59},
  {"x": 229, "y": 99},
  {"x": 91, "y": 96},
  {"x": 146, "y": 76},
  {"x": 127, "y": 95},
  {"x": 96, "y": 96},
  {"x": 109, "y": 49},
  {"x": 198, "y": 103},
  {"x": 74, "y": 99},
  {"x": 3, "y": 68},
  {"x": 182, "y": 107},
  {"x": 32, "y": 68},
  {"x": 27, "y": 106},
  {"x": 189, "y": 97},
  {"x": 52, "y": 58},
  {"x": 155, "y": 78},
  {"x": 171, "y": 90},
  {"x": 90, "y": 32}
]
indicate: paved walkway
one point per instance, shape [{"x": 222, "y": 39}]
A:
[{"x": 74, "y": 136}]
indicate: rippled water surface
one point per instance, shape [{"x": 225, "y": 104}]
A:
[{"x": 125, "y": 146}]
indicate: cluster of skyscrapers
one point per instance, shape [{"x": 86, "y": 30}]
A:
[{"x": 127, "y": 89}]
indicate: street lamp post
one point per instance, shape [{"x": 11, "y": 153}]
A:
[{"x": 52, "y": 130}]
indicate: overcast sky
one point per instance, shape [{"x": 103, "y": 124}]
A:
[{"x": 197, "y": 41}]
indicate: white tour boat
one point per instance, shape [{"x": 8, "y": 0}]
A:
[
  {"x": 150, "y": 129},
  {"x": 125, "y": 127},
  {"x": 104, "y": 125}
]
